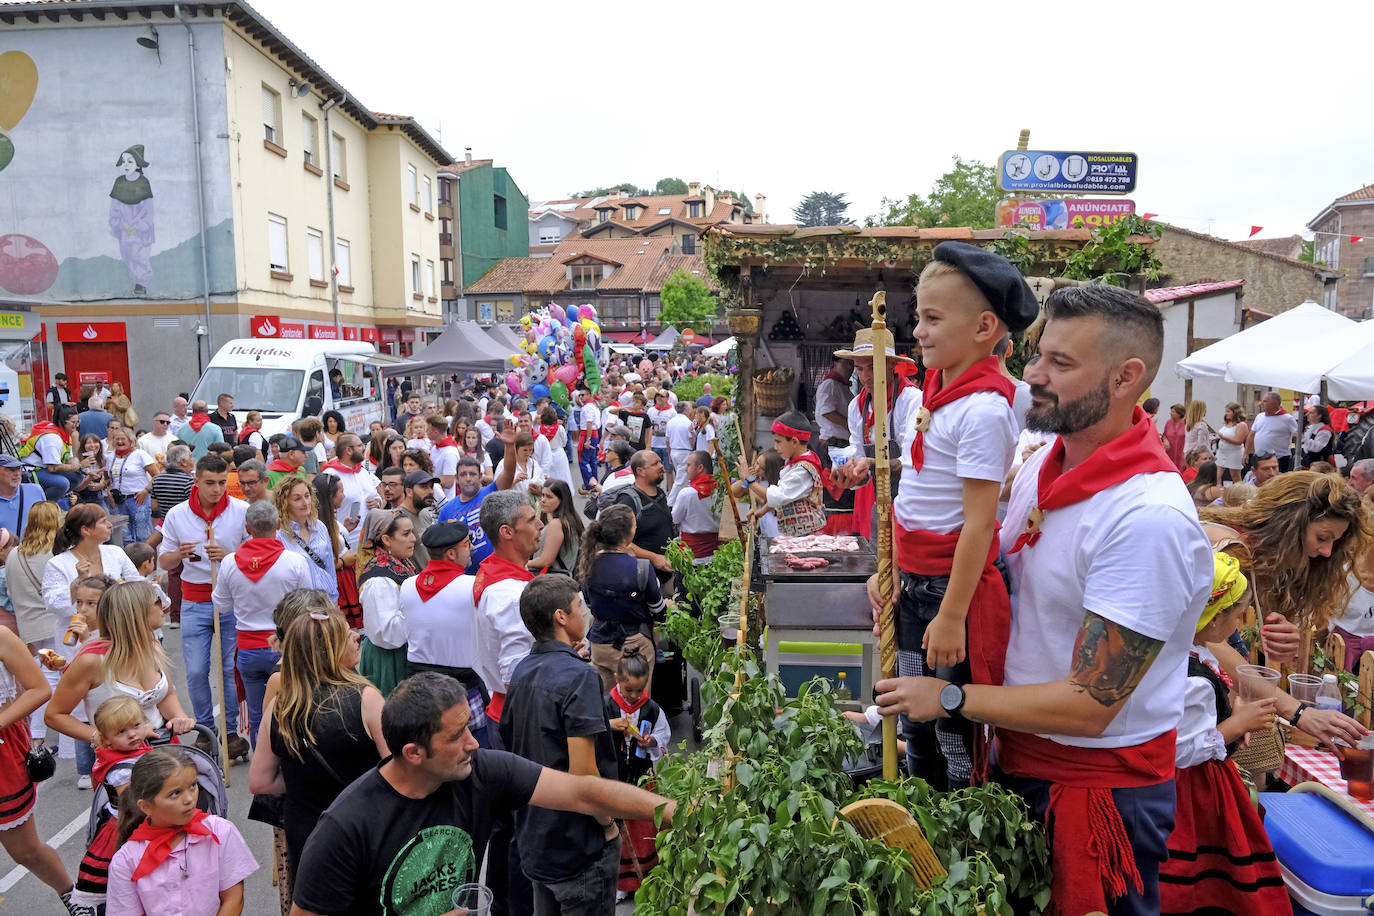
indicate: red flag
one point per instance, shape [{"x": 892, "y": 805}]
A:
[
  {"x": 1356, "y": 238},
  {"x": 1255, "y": 230},
  {"x": 1148, "y": 215}
]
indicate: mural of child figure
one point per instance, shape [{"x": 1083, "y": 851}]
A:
[{"x": 131, "y": 217}]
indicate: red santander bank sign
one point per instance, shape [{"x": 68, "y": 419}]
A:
[{"x": 270, "y": 326}]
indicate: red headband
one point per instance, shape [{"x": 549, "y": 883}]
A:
[{"x": 791, "y": 432}]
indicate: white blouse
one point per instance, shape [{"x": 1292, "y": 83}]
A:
[{"x": 383, "y": 622}]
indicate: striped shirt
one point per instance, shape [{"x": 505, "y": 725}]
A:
[{"x": 169, "y": 488}]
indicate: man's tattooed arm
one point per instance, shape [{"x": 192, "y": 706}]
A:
[{"x": 1110, "y": 660}]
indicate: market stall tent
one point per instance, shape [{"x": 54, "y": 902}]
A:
[
  {"x": 1294, "y": 350},
  {"x": 664, "y": 341},
  {"x": 504, "y": 336},
  {"x": 721, "y": 349},
  {"x": 463, "y": 347},
  {"x": 1352, "y": 379}
]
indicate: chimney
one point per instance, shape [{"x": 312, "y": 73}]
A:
[
  {"x": 710, "y": 194},
  {"x": 467, "y": 155},
  {"x": 760, "y": 208},
  {"x": 620, "y": 192},
  {"x": 693, "y": 188}
]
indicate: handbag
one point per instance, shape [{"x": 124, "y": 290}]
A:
[
  {"x": 40, "y": 763},
  {"x": 268, "y": 809}
]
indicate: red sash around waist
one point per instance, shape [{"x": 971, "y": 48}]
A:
[
  {"x": 1089, "y": 848},
  {"x": 702, "y": 545}
]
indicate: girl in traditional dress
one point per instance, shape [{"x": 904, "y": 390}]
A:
[{"x": 641, "y": 733}]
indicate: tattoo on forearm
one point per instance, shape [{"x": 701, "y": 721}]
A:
[{"x": 1109, "y": 660}]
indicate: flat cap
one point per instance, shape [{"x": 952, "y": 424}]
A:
[
  {"x": 999, "y": 282},
  {"x": 442, "y": 535}
]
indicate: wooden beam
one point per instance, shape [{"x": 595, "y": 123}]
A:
[{"x": 1188, "y": 351}]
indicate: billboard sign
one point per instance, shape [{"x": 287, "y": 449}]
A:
[
  {"x": 1062, "y": 214},
  {"x": 1067, "y": 172}
]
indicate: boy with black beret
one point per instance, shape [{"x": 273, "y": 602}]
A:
[{"x": 953, "y": 612}]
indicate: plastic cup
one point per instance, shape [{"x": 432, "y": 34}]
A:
[
  {"x": 1357, "y": 767},
  {"x": 473, "y": 899},
  {"x": 729, "y": 628},
  {"x": 1257, "y": 682},
  {"x": 1304, "y": 687}
]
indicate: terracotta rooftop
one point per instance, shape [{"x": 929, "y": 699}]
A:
[
  {"x": 792, "y": 230},
  {"x": 1283, "y": 246},
  {"x": 1258, "y": 252},
  {"x": 639, "y": 261},
  {"x": 1364, "y": 193},
  {"x": 461, "y": 166},
  {"x": 586, "y": 210},
  {"x": 1193, "y": 291},
  {"x": 507, "y": 275},
  {"x": 694, "y": 264}
]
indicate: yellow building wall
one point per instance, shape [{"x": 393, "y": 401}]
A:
[{"x": 398, "y": 232}]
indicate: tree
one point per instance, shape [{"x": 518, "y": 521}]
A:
[
  {"x": 629, "y": 188},
  {"x": 966, "y": 195},
  {"x": 822, "y": 208},
  {"x": 687, "y": 302},
  {"x": 669, "y": 186}
]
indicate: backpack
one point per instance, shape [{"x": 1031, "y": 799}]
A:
[{"x": 593, "y": 507}]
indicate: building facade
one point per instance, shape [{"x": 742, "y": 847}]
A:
[
  {"x": 1343, "y": 239},
  {"x": 180, "y": 182}
]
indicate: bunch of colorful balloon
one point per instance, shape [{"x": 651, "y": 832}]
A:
[{"x": 561, "y": 347}]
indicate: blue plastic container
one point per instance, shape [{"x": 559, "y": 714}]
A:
[{"x": 1326, "y": 856}]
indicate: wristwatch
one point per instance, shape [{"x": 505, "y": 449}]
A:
[
  {"x": 750, "y": 480},
  {"x": 952, "y": 701},
  {"x": 1302, "y": 708}
]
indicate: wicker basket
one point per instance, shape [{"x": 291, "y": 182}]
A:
[{"x": 771, "y": 390}]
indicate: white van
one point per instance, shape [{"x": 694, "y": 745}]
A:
[{"x": 289, "y": 379}]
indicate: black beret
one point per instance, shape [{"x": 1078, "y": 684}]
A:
[
  {"x": 999, "y": 282},
  {"x": 442, "y": 535}
]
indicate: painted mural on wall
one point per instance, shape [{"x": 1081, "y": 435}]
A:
[{"x": 66, "y": 232}]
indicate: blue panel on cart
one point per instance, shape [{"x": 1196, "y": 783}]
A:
[{"x": 1319, "y": 843}]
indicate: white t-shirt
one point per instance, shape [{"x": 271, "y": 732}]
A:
[
  {"x": 704, "y": 435},
  {"x": 902, "y": 422},
  {"x": 1274, "y": 434},
  {"x": 971, "y": 438},
  {"x": 47, "y": 450},
  {"x": 659, "y": 419},
  {"x": 485, "y": 429},
  {"x": 1358, "y": 616},
  {"x": 626, "y": 398},
  {"x": 679, "y": 433},
  {"x": 1021, "y": 403},
  {"x": 442, "y": 630},
  {"x": 156, "y": 445},
  {"x": 423, "y": 444},
  {"x": 832, "y": 397},
  {"x": 445, "y": 461},
  {"x": 129, "y": 473},
  {"x": 591, "y": 417},
  {"x": 1135, "y": 554}
]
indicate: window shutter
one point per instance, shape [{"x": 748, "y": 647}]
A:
[
  {"x": 341, "y": 258},
  {"x": 269, "y": 113},
  {"x": 276, "y": 243},
  {"x": 316, "y": 246}
]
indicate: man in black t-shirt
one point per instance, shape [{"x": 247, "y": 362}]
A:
[
  {"x": 403, "y": 836},
  {"x": 653, "y": 517}
]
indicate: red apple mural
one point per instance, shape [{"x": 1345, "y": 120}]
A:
[{"x": 27, "y": 267}]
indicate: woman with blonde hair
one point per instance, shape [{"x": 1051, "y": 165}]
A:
[
  {"x": 324, "y": 726},
  {"x": 251, "y": 434},
  {"x": 24, "y": 569},
  {"x": 1199, "y": 434},
  {"x": 301, "y": 530}
]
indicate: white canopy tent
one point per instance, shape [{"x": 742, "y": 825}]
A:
[
  {"x": 1352, "y": 379},
  {"x": 720, "y": 349},
  {"x": 1294, "y": 349}
]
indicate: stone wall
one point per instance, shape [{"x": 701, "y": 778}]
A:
[{"x": 1272, "y": 283}]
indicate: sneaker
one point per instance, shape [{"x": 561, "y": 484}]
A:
[
  {"x": 174, "y": 625},
  {"x": 78, "y": 909},
  {"x": 83, "y": 781},
  {"x": 238, "y": 747}
]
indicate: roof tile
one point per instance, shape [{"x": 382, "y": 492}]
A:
[{"x": 1174, "y": 293}]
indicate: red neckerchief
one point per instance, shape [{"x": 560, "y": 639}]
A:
[
  {"x": 983, "y": 375},
  {"x": 255, "y": 556},
  {"x": 626, "y": 706},
  {"x": 193, "y": 500},
  {"x": 281, "y": 464},
  {"x": 1221, "y": 675},
  {"x": 435, "y": 577},
  {"x": 120, "y": 453},
  {"x": 106, "y": 757},
  {"x": 831, "y": 375},
  {"x": 335, "y": 464},
  {"x": 496, "y": 569},
  {"x": 198, "y": 420},
  {"x": 548, "y": 430},
  {"x": 43, "y": 428},
  {"x": 894, "y": 391},
  {"x": 161, "y": 839},
  {"x": 806, "y": 457},
  {"x": 447, "y": 442},
  {"x": 1136, "y": 451},
  {"x": 704, "y": 484}
]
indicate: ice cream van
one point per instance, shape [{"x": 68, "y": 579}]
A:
[{"x": 286, "y": 380}]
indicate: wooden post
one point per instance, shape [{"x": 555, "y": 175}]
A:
[
  {"x": 1188, "y": 351},
  {"x": 882, "y": 482},
  {"x": 748, "y": 405},
  {"x": 217, "y": 659}
]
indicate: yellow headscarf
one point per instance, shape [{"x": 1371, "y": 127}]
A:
[{"x": 1228, "y": 586}]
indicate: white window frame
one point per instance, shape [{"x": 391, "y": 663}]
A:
[
  {"x": 338, "y": 156},
  {"x": 271, "y": 115},
  {"x": 429, "y": 279},
  {"x": 314, "y": 247},
  {"x": 278, "y": 249},
  {"x": 550, "y": 235},
  {"x": 343, "y": 259},
  {"x": 413, "y": 176},
  {"x": 429, "y": 194},
  {"x": 414, "y": 273},
  {"x": 310, "y": 133}
]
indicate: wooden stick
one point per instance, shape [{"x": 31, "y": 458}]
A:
[
  {"x": 742, "y": 637},
  {"x": 217, "y": 659},
  {"x": 882, "y": 483},
  {"x": 729, "y": 493}
]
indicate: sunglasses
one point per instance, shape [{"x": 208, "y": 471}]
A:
[{"x": 162, "y": 421}]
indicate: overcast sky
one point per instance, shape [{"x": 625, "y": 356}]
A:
[{"x": 1240, "y": 116}]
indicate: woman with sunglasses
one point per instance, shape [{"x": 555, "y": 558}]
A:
[
  {"x": 392, "y": 536},
  {"x": 322, "y": 729}
]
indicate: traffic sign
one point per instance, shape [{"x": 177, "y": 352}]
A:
[
  {"x": 688, "y": 335},
  {"x": 1068, "y": 173}
]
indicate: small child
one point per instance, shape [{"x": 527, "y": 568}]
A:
[
  {"x": 144, "y": 558},
  {"x": 767, "y": 467},
  {"x": 797, "y": 497},
  {"x": 1220, "y": 859},
  {"x": 167, "y": 846},
  {"x": 642, "y": 734},
  {"x": 79, "y": 629},
  {"x": 122, "y": 732}
]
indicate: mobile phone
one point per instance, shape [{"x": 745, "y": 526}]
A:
[{"x": 354, "y": 509}]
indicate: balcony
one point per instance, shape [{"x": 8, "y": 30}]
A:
[{"x": 446, "y": 238}]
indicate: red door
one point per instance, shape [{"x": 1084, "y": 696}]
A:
[{"x": 97, "y": 348}]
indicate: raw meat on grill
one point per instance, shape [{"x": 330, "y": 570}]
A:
[
  {"x": 815, "y": 543},
  {"x": 796, "y": 562}
]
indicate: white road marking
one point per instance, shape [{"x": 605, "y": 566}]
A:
[{"x": 78, "y": 823}]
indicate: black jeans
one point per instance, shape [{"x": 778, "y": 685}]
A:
[{"x": 940, "y": 752}]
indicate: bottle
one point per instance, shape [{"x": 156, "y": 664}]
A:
[
  {"x": 71, "y": 639},
  {"x": 1329, "y": 696},
  {"x": 842, "y": 690}
]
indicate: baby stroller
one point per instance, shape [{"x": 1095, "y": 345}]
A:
[{"x": 93, "y": 872}]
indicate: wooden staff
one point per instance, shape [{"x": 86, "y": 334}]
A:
[
  {"x": 742, "y": 637},
  {"x": 729, "y": 493},
  {"x": 882, "y": 484},
  {"x": 217, "y": 659}
]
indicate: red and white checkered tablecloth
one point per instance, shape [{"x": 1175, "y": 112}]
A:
[{"x": 1307, "y": 764}]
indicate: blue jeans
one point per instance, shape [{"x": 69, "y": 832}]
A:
[
  {"x": 591, "y": 893},
  {"x": 140, "y": 524},
  {"x": 586, "y": 463},
  {"x": 255, "y": 667},
  {"x": 197, "y": 641},
  {"x": 85, "y": 758},
  {"x": 56, "y": 486}
]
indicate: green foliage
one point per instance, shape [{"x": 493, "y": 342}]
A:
[
  {"x": 669, "y": 186},
  {"x": 966, "y": 195},
  {"x": 1309, "y": 252},
  {"x": 628, "y": 187},
  {"x": 1112, "y": 256},
  {"x": 690, "y": 388},
  {"x": 1356, "y": 703},
  {"x": 709, "y": 583},
  {"x": 823, "y": 208},
  {"x": 687, "y": 302}
]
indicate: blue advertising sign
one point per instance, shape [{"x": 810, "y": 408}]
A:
[{"x": 1068, "y": 173}]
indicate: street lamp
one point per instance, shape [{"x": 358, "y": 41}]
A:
[{"x": 201, "y": 332}]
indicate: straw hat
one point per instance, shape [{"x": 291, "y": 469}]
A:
[{"x": 863, "y": 347}]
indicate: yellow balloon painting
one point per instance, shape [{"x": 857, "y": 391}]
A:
[{"x": 18, "y": 85}]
